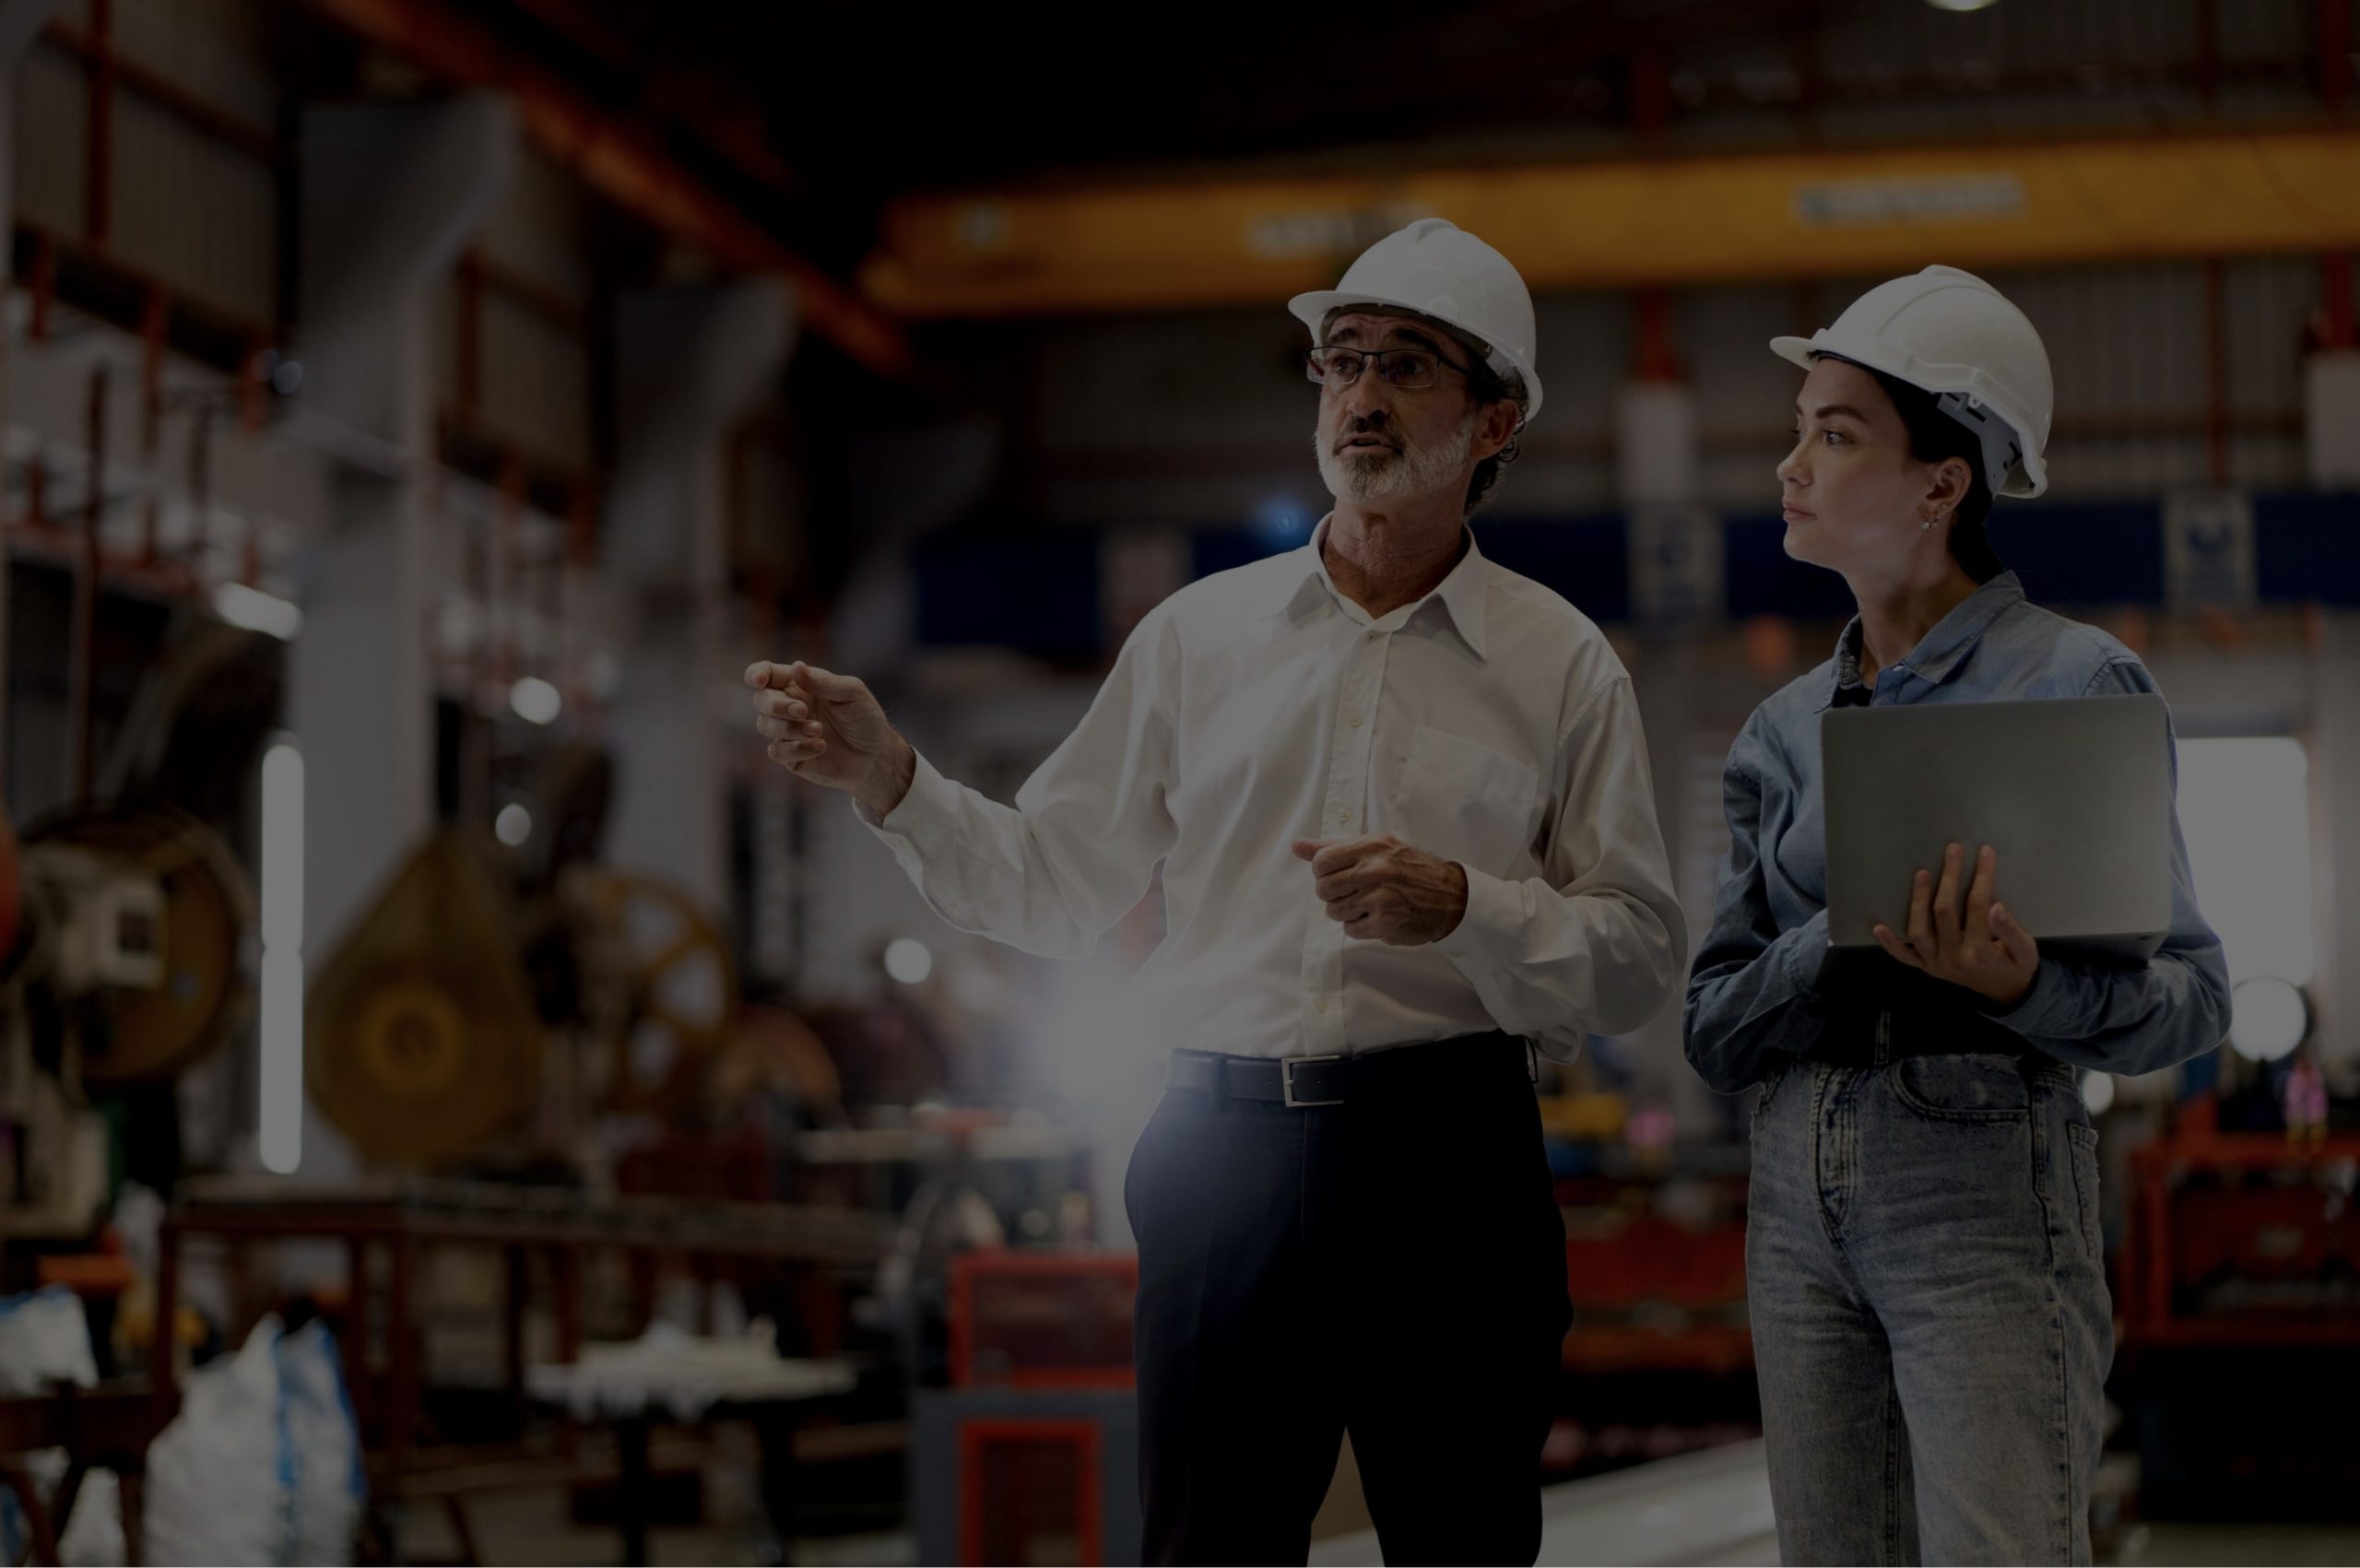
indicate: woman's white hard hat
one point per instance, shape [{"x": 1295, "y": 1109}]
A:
[{"x": 1949, "y": 333}]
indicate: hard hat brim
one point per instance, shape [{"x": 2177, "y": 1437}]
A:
[{"x": 2029, "y": 477}]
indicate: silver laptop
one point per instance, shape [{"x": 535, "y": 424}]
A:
[{"x": 2073, "y": 794}]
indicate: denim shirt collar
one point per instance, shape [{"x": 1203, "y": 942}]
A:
[{"x": 1940, "y": 650}]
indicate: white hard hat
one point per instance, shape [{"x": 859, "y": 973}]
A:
[
  {"x": 1437, "y": 269},
  {"x": 1949, "y": 333}
]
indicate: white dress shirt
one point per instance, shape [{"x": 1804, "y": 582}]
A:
[{"x": 1489, "y": 724}]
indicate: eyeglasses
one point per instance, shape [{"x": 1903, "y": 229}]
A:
[{"x": 1409, "y": 370}]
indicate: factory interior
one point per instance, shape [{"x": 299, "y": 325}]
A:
[{"x": 461, "y": 1101}]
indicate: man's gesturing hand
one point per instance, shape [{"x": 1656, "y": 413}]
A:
[
  {"x": 827, "y": 728},
  {"x": 1385, "y": 892}
]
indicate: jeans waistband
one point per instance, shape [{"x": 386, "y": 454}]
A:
[{"x": 1872, "y": 1037}]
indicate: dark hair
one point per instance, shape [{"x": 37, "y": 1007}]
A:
[
  {"x": 1933, "y": 436},
  {"x": 1486, "y": 386}
]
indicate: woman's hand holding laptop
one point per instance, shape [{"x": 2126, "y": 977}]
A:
[{"x": 1977, "y": 945}]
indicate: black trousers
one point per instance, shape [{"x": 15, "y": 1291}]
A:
[{"x": 1394, "y": 1267}]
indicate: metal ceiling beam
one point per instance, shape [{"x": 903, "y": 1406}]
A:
[
  {"x": 722, "y": 128},
  {"x": 1632, "y": 223},
  {"x": 619, "y": 157}
]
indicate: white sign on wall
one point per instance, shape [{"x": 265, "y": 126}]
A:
[
  {"x": 2208, "y": 551},
  {"x": 1677, "y": 570}
]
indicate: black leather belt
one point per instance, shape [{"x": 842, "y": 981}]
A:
[
  {"x": 1871, "y": 1038},
  {"x": 1305, "y": 1082}
]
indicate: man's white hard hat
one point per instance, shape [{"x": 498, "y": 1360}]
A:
[{"x": 1439, "y": 270}]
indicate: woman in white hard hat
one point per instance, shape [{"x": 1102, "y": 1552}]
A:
[{"x": 1930, "y": 1318}]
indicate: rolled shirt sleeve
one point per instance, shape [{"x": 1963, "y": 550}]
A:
[
  {"x": 1596, "y": 944},
  {"x": 1054, "y": 872},
  {"x": 1753, "y": 997}
]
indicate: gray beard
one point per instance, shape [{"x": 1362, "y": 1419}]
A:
[{"x": 1380, "y": 476}]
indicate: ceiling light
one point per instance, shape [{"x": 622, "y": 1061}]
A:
[
  {"x": 2268, "y": 1018},
  {"x": 536, "y": 700},
  {"x": 257, "y": 611},
  {"x": 907, "y": 960}
]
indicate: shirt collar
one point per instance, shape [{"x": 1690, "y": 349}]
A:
[
  {"x": 1940, "y": 650},
  {"x": 1300, "y": 580}
]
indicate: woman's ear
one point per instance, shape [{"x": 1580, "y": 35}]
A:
[{"x": 1947, "y": 485}]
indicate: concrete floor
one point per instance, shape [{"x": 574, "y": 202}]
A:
[
  {"x": 2204, "y": 1544},
  {"x": 1713, "y": 1508},
  {"x": 1709, "y": 1508}
]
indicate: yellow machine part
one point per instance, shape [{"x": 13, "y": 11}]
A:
[
  {"x": 1584, "y": 1117},
  {"x": 421, "y": 1041},
  {"x": 677, "y": 979}
]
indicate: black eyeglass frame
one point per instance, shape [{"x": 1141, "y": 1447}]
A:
[{"x": 1316, "y": 370}]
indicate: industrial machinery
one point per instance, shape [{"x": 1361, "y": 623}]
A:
[
  {"x": 1029, "y": 1455},
  {"x": 127, "y": 920},
  {"x": 493, "y": 994},
  {"x": 127, "y": 967},
  {"x": 2239, "y": 1276}
]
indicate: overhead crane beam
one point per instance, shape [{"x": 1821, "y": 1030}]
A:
[{"x": 1634, "y": 223}]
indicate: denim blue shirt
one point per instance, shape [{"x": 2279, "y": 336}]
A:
[{"x": 1755, "y": 994}]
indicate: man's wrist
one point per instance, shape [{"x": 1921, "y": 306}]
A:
[
  {"x": 889, "y": 785},
  {"x": 1458, "y": 883}
]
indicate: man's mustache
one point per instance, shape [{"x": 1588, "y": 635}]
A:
[{"x": 1377, "y": 426}]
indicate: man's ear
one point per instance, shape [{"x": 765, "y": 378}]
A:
[{"x": 1497, "y": 428}]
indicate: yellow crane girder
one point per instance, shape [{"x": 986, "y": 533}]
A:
[{"x": 1634, "y": 222}]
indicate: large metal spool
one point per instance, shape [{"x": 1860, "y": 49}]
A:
[
  {"x": 672, "y": 982},
  {"x": 139, "y": 1034},
  {"x": 420, "y": 1041}
]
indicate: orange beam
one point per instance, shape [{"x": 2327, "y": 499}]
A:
[
  {"x": 621, "y": 161},
  {"x": 1661, "y": 222}
]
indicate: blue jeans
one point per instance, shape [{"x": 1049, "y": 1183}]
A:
[{"x": 1930, "y": 1318}]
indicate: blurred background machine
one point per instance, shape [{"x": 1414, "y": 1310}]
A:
[
  {"x": 126, "y": 933},
  {"x": 489, "y": 991},
  {"x": 2238, "y": 1277}
]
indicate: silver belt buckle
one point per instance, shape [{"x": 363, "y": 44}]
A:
[{"x": 1287, "y": 1066}]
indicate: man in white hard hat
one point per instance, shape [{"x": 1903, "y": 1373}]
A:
[{"x": 1402, "y": 802}]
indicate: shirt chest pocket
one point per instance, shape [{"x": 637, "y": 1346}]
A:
[{"x": 1463, "y": 801}]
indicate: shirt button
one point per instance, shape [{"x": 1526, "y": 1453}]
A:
[
  {"x": 1356, "y": 720},
  {"x": 1343, "y": 816},
  {"x": 1374, "y": 636},
  {"x": 1320, "y": 1006}
]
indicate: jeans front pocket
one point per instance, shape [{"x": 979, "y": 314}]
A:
[{"x": 1979, "y": 1088}]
